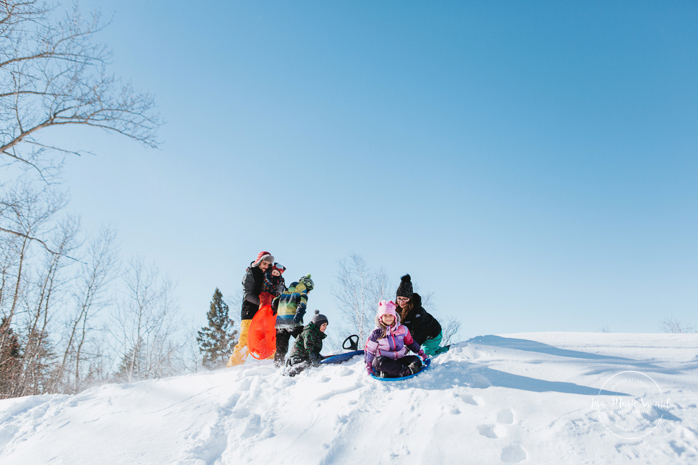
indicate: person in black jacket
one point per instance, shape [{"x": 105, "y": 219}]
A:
[
  {"x": 425, "y": 329},
  {"x": 252, "y": 287}
]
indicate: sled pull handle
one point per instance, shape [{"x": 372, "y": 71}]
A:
[{"x": 352, "y": 341}]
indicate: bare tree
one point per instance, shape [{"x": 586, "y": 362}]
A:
[
  {"x": 672, "y": 325},
  {"x": 144, "y": 326},
  {"x": 449, "y": 330},
  {"x": 450, "y": 326},
  {"x": 42, "y": 302},
  {"x": 28, "y": 212},
  {"x": 53, "y": 73},
  {"x": 358, "y": 290},
  {"x": 89, "y": 298}
]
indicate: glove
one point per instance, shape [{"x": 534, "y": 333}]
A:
[
  {"x": 369, "y": 369},
  {"x": 298, "y": 318},
  {"x": 424, "y": 356}
]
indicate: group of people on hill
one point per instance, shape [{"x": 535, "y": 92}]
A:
[{"x": 402, "y": 326}]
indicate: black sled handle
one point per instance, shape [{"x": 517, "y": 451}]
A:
[{"x": 352, "y": 341}]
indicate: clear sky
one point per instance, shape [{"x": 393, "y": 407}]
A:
[{"x": 531, "y": 163}]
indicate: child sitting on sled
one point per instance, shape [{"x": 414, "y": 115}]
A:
[
  {"x": 306, "y": 350},
  {"x": 386, "y": 348}
]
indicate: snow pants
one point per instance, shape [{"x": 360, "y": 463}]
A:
[
  {"x": 431, "y": 346},
  {"x": 394, "y": 368},
  {"x": 282, "y": 337},
  {"x": 240, "y": 352}
]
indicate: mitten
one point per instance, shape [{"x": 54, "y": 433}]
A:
[
  {"x": 424, "y": 356},
  {"x": 369, "y": 369}
]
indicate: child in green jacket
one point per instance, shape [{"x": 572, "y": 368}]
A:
[
  {"x": 289, "y": 309},
  {"x": 306, "y": 350}
]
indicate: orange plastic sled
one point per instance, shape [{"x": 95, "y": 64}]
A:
[{"x": 261, "y": 339}]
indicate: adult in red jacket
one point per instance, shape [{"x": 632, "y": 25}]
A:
[{"x": 252, "y": 287}]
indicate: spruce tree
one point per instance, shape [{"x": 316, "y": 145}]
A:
[
  {"x": 216, "y": 341},
  {"x": 10, "y": 359},
  {"x": 132, "y": 364}
]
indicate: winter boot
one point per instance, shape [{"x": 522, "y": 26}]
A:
[{"x": 414, "y": 367}]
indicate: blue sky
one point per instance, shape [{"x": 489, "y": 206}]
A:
[{"x": 531, "y": 163}]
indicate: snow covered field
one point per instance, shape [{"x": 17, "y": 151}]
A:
[{"x": 540, "y": 398}]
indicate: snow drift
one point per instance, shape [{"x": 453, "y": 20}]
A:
[{"x": 539, "y": 398}]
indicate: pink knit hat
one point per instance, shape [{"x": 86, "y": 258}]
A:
[{"x": 386, "y": 307}]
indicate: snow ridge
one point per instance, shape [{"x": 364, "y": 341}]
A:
[{"x": 530, "y": 398}]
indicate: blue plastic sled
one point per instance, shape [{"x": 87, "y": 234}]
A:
[
  {"x": 341, "y": 358},
  {"x": 425, "y": 365}
]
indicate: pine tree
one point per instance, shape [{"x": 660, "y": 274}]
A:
[
  {"x": 216, "y": 341},
  {"x": 132, "y": 364},
  {"x": 10, "y": 359},
  {"x": 38, "y": 359}
]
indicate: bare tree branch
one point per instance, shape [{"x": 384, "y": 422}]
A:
[{"x": 53, "y": 73}]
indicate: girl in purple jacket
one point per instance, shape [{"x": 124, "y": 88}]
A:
[{"x": 387, "y": 345}]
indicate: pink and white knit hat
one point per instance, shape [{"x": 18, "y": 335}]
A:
[{"x": 386, "y": 307}]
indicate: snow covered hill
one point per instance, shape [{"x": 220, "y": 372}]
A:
[{"x": 544, "y": 398}]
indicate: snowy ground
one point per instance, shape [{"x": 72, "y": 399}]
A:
[{"x": 543, "y": 398}]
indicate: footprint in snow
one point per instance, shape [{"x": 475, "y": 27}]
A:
[
  {"x": 514, "y": 454},
  {"x": 487, "y": 431},
  {"x": 240, "y": 412},
  {"x": 232, "y": 401},
  {"x": 254, "y": 425},
  {"x": 505, "y": 417},
  {"x": 469, "y": 399}
]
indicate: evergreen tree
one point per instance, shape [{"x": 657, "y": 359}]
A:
[
  {"x": 39, "y": 363},
  {"x": 10, "y": 359},
  {"x": 216, "y": 341},
  {"x": 132, "y": 364}
]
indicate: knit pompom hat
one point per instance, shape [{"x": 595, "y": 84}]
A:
[
  {"x": 319, "y": 319},
  {"x": 309, "y": 284},
  {"x": 405, "y": 287}
]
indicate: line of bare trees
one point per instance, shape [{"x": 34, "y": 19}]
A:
[{"x": 71, "y": 315}]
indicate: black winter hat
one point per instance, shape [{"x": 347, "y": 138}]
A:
[
  {"x": 405, "y": 287},
  {"x": 319, "y": 319}
]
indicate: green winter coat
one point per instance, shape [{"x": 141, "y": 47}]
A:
[{"x": 308, "y": 345}]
